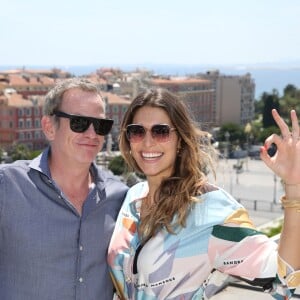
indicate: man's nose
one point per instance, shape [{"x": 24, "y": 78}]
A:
[{"x": 91, "y": 130}]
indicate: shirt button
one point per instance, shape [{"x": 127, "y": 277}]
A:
[
  {"x": 80, "y": 279},
  {"x": 80, "y": 247}
]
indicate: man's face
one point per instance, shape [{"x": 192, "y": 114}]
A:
[{"x": 75, "y": 147}]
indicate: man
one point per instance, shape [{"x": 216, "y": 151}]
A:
[{"x": 57, "y": 212}]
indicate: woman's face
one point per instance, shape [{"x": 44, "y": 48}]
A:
[{"x": 154, "y": 157}]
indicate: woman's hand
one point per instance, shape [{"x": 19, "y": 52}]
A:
[
  {"x": 286, "y": 164},
  {"x": 286, "y": 161}
]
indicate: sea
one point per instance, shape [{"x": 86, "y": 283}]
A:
[{"x": 266, "y": 79}]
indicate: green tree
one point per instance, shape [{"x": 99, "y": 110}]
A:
[
  {"x": 34, "y": 153},
  {"x": 290, "y": 100},
  {"x": 258, "y": 108},
  {"x": 20, "y": 151},
  {"x": 266, "y": 132},
  {"x": 117, "y": 165},
  {"x": 290, "y": 90},
  {"x": 271, "y": 101},
  {"x": 236, "y": 133}
]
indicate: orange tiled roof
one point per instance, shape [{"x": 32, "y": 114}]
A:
[
  {"x": 45, "y": 71},
  {"x": 19, "y": 80},
  {"x": 15, "y": 79},
  {"x": 17, "y": 100},
  {"x": 47, "y": 80},
  {"x": 33, "y": 71},
  {"x": 10, "y": 71},
  {"x": 94, "y": 78}
]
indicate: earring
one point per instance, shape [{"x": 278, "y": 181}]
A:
[{"x": 179, "y": 150}]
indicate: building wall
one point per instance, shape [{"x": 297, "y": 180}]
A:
[
  {"x": 16, "y": 127},
  {"x": 197, "y": 94},
  {"x": 116, "y": 108},
  {"x": 230, "y": 100},
  {"x": 234, "y": 98}
]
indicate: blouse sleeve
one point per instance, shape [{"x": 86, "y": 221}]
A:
[{"x": 238, "y": 249}]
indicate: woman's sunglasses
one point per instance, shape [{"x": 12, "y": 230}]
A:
[
  {"x": 80, "y": 123},
  {"x": 135, "y": 133}
]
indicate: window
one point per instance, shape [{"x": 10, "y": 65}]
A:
[
  {"x": 36, "y": 135},
  {"x": 21, "y": 123},
  {"x": 28, "y": 123},
  {"x": 21, "y": 136},
  {"x": 28, "y": 111},
  {"x": 37, "y": 123},
  {"x": 28, "y": 135},
  {"x": 116, "y": 120}
]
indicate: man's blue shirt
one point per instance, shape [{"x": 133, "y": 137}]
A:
[{"x": 47, "y": 249}]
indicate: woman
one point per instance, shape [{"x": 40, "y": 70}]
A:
[{"x": 176, "y": 232}]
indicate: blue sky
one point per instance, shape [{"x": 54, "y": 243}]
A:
[{"x": 87, "y": 32}]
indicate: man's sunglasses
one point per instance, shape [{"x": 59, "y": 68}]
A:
[
  {"x": 80, "y": 123},
  {"x": 135, "y": 133}
]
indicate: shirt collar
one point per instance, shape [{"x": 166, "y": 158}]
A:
[{"x": 40, "y": 163}]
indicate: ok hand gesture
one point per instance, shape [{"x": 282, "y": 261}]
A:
[{"x": 286, "y": 161}]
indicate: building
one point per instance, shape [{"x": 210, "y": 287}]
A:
[
  {"x": 20, "y": 121},
  {"x": 234, "y": 97},
  {"x": 214, "y": 99},
  {"x": 21, "y": 101},
  {"x": 30, "y": 82},
  {"x": 198, "y": 94},
  {"x": 116, "y": 106}
]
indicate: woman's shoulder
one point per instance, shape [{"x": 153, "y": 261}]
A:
[
  {"x": 213, "y": 195},
  {"x": 215, "y": 205}
]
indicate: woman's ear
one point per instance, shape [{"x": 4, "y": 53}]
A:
[{"x": 48, "y": 127}]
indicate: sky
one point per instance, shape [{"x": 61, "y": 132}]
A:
[{"x": 88, "y": 32}]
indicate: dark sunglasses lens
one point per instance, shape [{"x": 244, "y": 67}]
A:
[
  {"x": 135, "y": 133},
  {"x": 102, "y": 127},
  {"x": 79, "y": 124},
  {"x": 160, "y": 132}
]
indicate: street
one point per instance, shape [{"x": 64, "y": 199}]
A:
[{"x": 255, "y": 186}]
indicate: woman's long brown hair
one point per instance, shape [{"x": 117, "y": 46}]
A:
[{"x": 176, "y": 194}]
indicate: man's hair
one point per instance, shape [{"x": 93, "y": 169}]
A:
[{"x": 54, "y": 98}]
